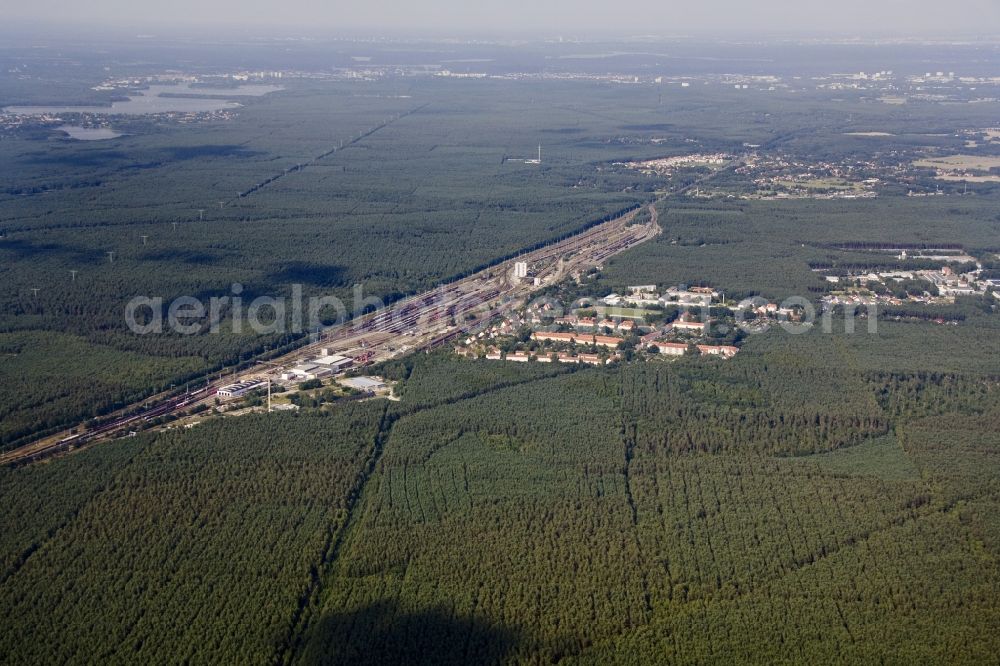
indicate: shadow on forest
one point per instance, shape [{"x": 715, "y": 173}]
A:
[
  {"x": 652, "y": 127},
  {"x": 76, "y": 157},
  {"x": 27, "y": 249},
  {"x": 182, "y": 255},
  {"x": 317, "y": 275},
  {"x": 382, "y": 634},
  {"x": 210, "y": 150},
  {"x": 86, "y": 156}
]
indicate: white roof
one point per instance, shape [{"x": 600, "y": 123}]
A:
[
  {"x": 330, "y": 360},
  {"x": 241, "y": 386},
  {"x": 363, "y": 383}
]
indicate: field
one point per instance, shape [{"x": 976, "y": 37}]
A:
[
  {"x": 961, "y": 163},
  {"x": 956, "y": 168},
  {"x": 608, "y": 311},
  {"x": 821, "y": 184}
]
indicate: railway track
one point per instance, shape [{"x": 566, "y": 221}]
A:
[
  {"x": 73, "y": 440},
  {"x": 428, "y": 317}
]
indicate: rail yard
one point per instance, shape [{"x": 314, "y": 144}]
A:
[{"x": 420, "y": 322}]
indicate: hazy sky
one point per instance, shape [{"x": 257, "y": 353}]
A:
[{"x": 554, "y": 17}]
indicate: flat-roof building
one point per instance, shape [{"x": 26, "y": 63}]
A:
[
  {"x": 239, "y": 389},
  {"x": 333, "y": 361},
  {"x": 672, "y": 348},
  {"x": 306, "y": 371},
  {"x": 691, "y": 326},
  {"x": 368, "y": 384},
  {"x": 726, "y": 351}
]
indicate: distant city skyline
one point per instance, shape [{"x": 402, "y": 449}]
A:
[{"x": 568, "y": 18}]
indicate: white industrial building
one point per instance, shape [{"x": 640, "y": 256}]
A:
[
  {"x": 675, "y": 296},
  {"x": 305, "y": 372},
  {"x": 239, "y": 389},
  {"x": 335, "y": 362},
  {"x": 324, "y": 365},
  {"x": 367, "y": 384}
]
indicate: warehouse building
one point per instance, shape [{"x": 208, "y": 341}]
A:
[
  {"x": 239, "y": 389},
  {"x": 332, "y": 361},
  {"x": 306, "y": 372},
  {"x": 366, "y": 384}
]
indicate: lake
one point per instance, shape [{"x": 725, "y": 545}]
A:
[
  {"x": 89, "y": 133},
  {"x": 158, "y": 99}
]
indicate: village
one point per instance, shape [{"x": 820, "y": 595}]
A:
[
  {"x": 665, "y": 166},
  {"x": 783, "y": 177},
  {"x": 960, "y": 275},
  {"x": 644, "y": 322},
  {"x": 776, "y": 176}
]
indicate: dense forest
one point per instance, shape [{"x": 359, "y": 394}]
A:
[
  {"x": 771, "y": 248},
  {"x": 426, "y": 197},
  {"x": 825, "y": 497},
  {"x": 162, "y": 549},
  {"x": 795, "y": 503},
  {"x": 397, "y": 186}
]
